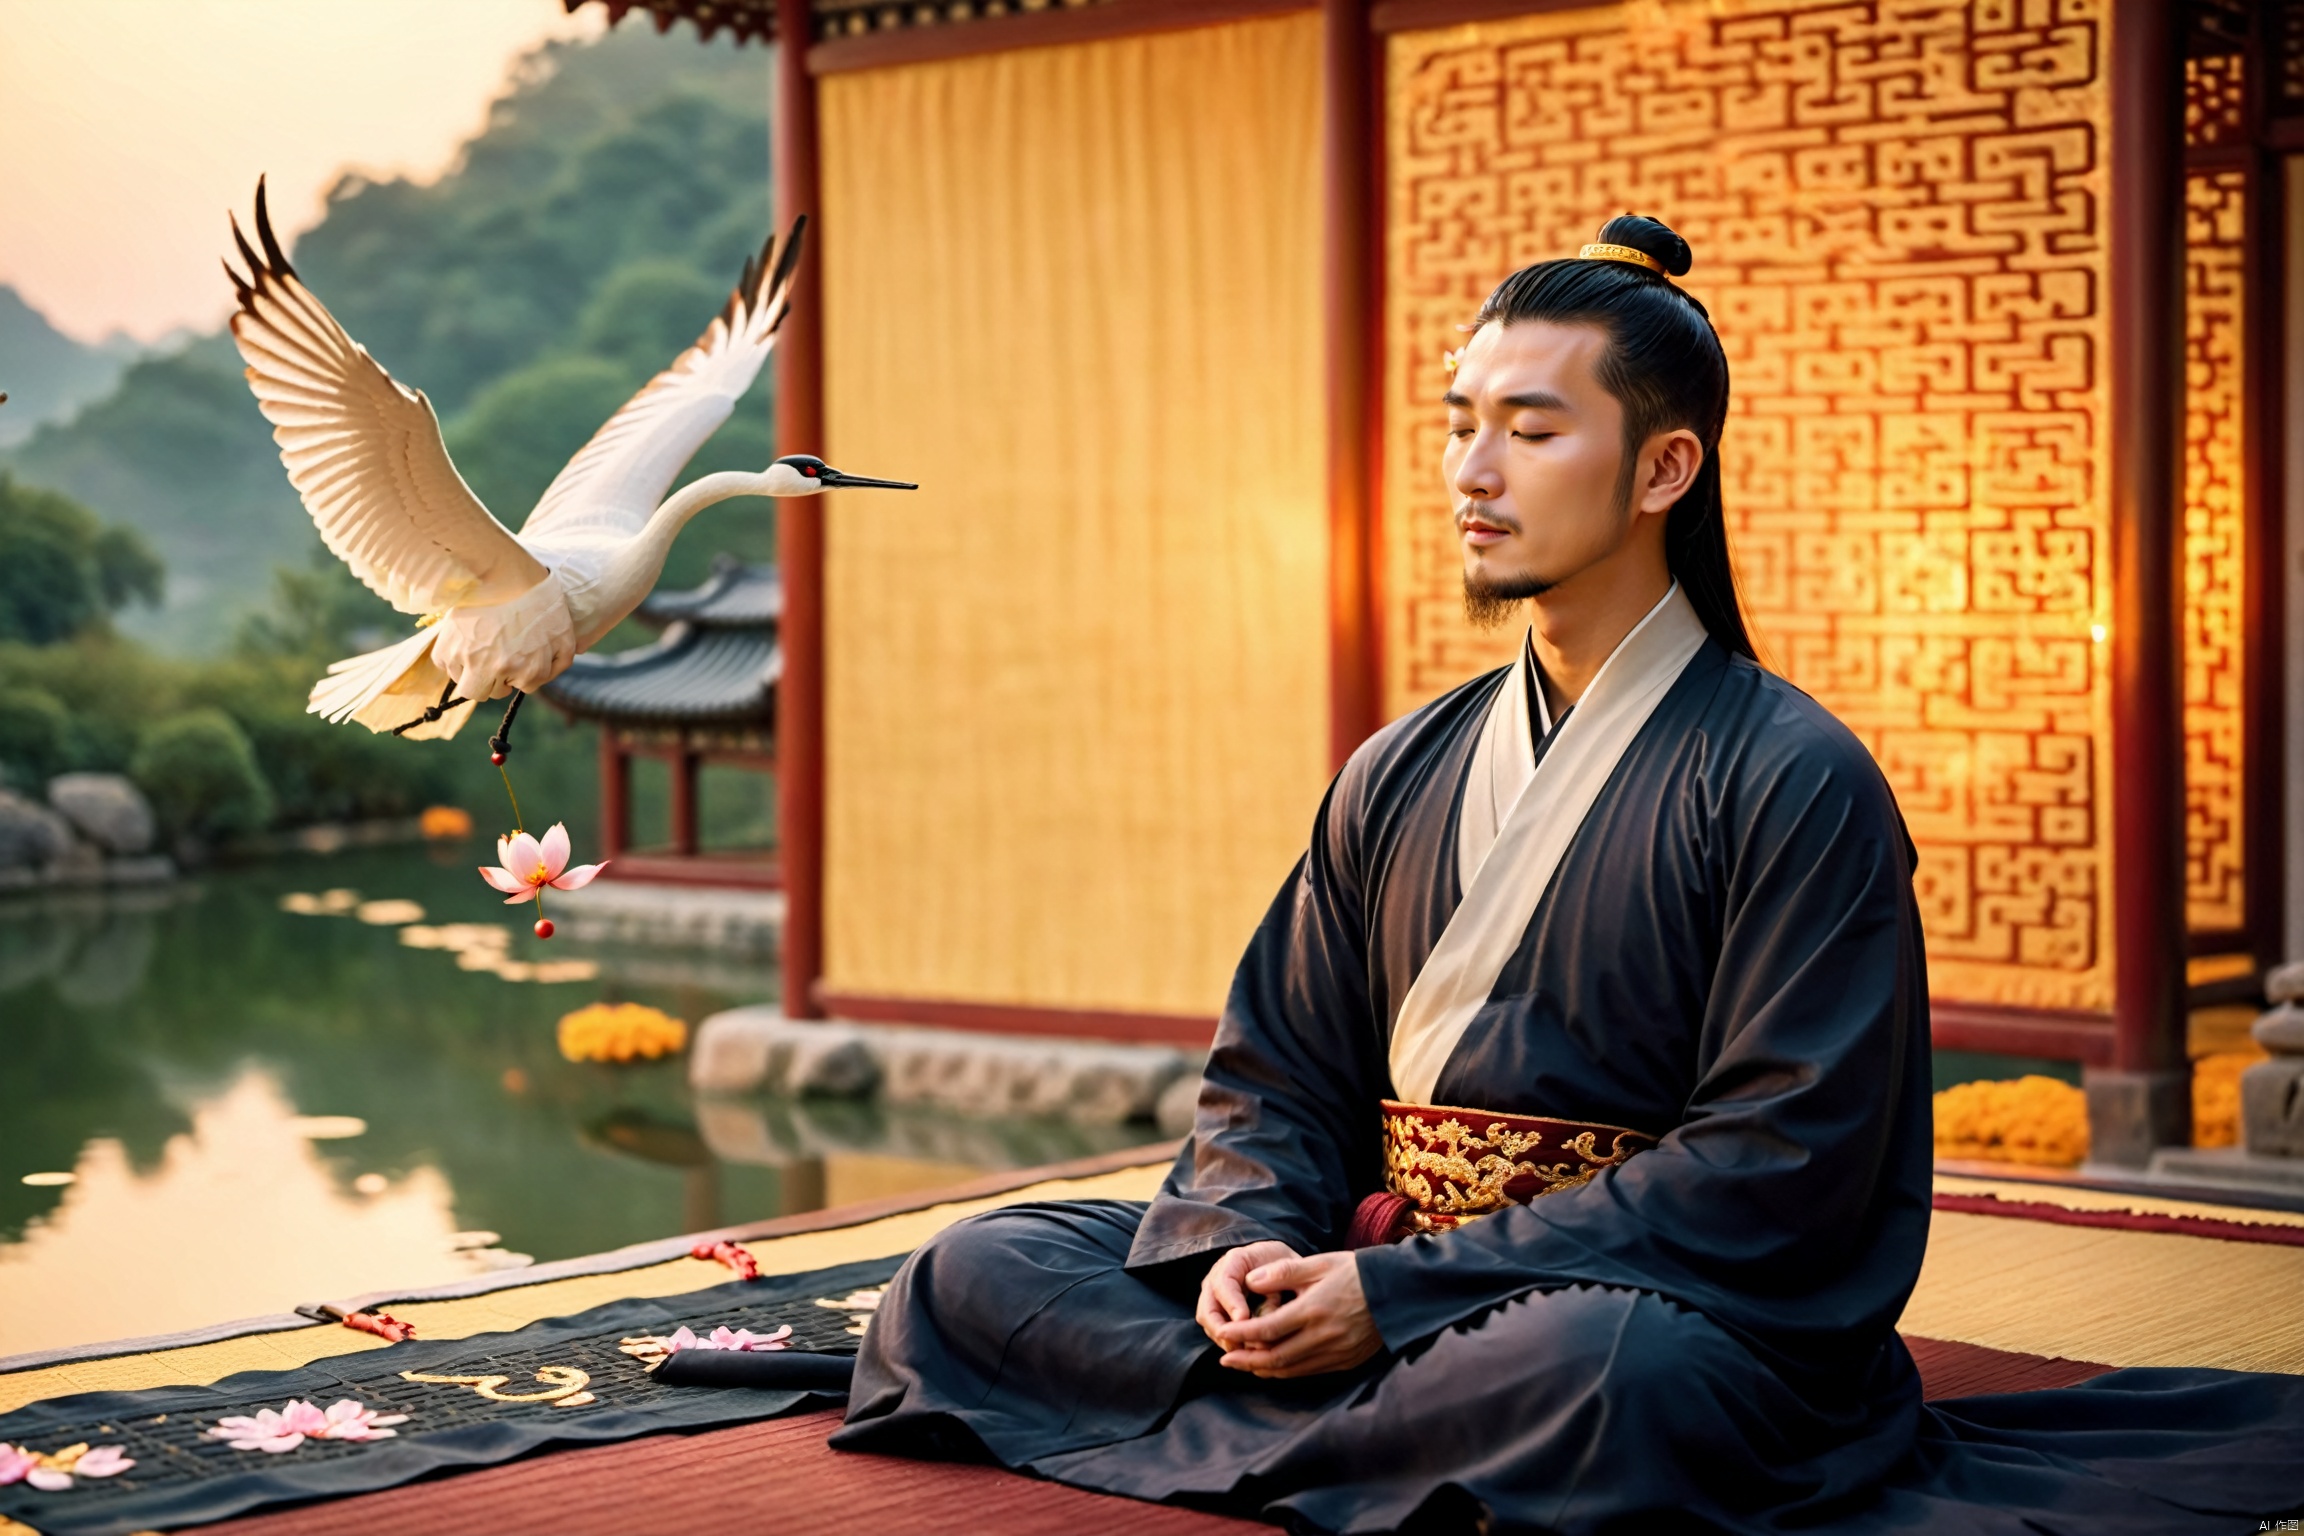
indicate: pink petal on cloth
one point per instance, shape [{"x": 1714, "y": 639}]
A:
[
  {"x": 555, "y": 850},
  {"x": 15, "y": 1462},
  {"x": 304, "y": 1418},
  {"x": 104, "y": 1461},
  {"x": 579, "y": 877},
  {"x": 683, "y": 1339},
  {"x": 525, "y": 859},
  {"x": 503, "y": 881},
  {"x": 48, "y": 1480}
]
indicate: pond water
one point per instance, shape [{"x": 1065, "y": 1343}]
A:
[{"x": 304, "y": 1080}]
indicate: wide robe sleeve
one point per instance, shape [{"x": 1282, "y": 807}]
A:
[
  {"x": 1286, "y": 1134},
  {"x": 1791, "y": 1202}
]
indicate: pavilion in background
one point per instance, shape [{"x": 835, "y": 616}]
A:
[{"x": 704, "y": 691}]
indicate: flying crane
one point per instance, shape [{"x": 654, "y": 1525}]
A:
[{"x": 499, "y": 613}]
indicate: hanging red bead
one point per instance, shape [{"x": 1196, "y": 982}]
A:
[{"x": 543, "y": 927}]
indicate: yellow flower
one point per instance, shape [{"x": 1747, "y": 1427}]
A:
[
  {"x": 2216, "y": 1097},
  {"x": 620, "y": 1032},
  {"x": 2031, "y": 1120},
  {"x": 445, "y": 821}
]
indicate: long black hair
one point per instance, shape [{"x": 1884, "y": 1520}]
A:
[{"x": 1665, "y": 365}]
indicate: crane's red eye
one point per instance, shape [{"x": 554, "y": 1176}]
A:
[{"x": 809, "y": 470}]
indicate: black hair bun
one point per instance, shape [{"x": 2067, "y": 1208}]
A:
[{"x": 1653, "y": 236}]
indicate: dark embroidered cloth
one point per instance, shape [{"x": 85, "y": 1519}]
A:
[{"x": 183, "y": 1477}]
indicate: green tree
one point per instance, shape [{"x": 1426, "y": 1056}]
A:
[
  {"x": 180, "y": 454},
  {"x": 647, "y": 313},
  {"x": 201, "y": 776},
  {"x": 320, "y": 611},
  {"x": 61, "y": 570},
  {"x": 35, "y": 738}
]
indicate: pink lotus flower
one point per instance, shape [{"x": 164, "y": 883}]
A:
[
  {"x": 724, "y": 1338},
  {"x": 298, "y": 1421},
  {"x": 528, "y": 866},
  {"x": 54, "y": 1473}
]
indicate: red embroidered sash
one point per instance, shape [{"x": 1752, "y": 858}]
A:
[{"x": 1445, "y": 1166}]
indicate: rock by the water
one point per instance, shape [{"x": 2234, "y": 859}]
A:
[
  {"x": 2281, "y": 1031},
  {"x": 108, "y": 810},
  {"x": 2272, "y": 1107},
  {"x": 31, "y": 835},
  {"x": 1088, "y": 1081}
]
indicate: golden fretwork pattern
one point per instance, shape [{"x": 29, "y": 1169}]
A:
[
  {"x": 2216, "y": 99},
  {"x": 2215, "y": 333},
  {"x": 1896, "y": 209}
]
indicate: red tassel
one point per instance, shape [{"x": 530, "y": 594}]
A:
[
  {"x": 1381, "y": 1218},
  {"x": 736, "y": 1258},
  {"x": 382, "y": 1324}
]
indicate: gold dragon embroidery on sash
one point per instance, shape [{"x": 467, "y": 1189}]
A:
[{"x": 1457, "y": 1173}]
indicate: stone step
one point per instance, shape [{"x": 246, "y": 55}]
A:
[
  {"x": 611, "y": 911},
  {"x": 758, "y": 1049}
]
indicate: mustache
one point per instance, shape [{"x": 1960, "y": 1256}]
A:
[{"x": 1467, "y": 509}]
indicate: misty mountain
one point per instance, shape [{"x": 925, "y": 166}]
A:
[
  {"x": 45, "y": 374},
  {"x": 584, "y": 238}
]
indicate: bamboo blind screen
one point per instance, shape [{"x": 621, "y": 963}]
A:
[
  {"x": 1897, "y": 212},
  {"x": 1076, "y": 684}
]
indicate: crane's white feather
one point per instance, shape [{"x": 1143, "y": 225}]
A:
[
  {"x": 365, "y": 452},
  {"x": 617, "y": 479},
  {"x": 385, "y": 689}
]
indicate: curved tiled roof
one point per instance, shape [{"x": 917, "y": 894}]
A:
[
  {"x": 690, "y": 675},
  {"x": 735, "y": 596}
]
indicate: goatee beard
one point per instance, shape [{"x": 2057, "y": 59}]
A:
[{"x": 1491, "y": 604}]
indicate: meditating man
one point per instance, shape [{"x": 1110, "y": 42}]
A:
[{"x": 1563, "y": 1159}]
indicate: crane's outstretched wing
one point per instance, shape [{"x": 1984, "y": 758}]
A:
[
  {"x": 617, "y": 479},
  {"x": 364, "y": 451}
]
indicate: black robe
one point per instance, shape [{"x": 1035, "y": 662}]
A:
[{"x": 1728, "y": 958}]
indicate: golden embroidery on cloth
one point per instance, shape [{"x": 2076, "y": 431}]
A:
[
  {"x": 564, "y": 1386},
  {"x": 859, "y": 1305},
  {"x": 1470, "y": 1164}
]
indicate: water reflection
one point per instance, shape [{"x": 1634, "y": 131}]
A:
[
  {"x": 171, "y": 1247},
  {"x": 162, "y": 1045}
]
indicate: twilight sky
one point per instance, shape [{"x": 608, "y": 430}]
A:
[{"x": 129, "y": 127}]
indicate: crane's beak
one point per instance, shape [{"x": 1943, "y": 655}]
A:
[{"x": 832, "y": 480}]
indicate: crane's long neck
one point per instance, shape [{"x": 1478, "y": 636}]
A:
[{"x": 664, "y": 524}]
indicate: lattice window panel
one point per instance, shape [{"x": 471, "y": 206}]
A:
[
  {"x": 1896, "y": 207},
  {"x": 2216, "y": 99},
  {"x": 2215, "y": 335}
]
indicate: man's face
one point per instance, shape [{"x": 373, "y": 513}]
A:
[{"x": 1534, "y": 461}]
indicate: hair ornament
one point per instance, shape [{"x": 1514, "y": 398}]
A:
[
  {"x": 1631, "y": 255},
  {"x": 1450, "y": 360}
]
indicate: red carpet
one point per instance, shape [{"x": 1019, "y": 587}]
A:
[{"x": 780, "y": 1475}]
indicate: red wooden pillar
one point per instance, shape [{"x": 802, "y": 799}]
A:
[
  {"x": 2143, "y": 1099},
  {"x": 683, "y": 765},
  {"x": 800, "y": 528},
  {"x": 1352, "y": 262},
  {"x": 2264, "y": 555},
  {"x": 615, "y": 795}
]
